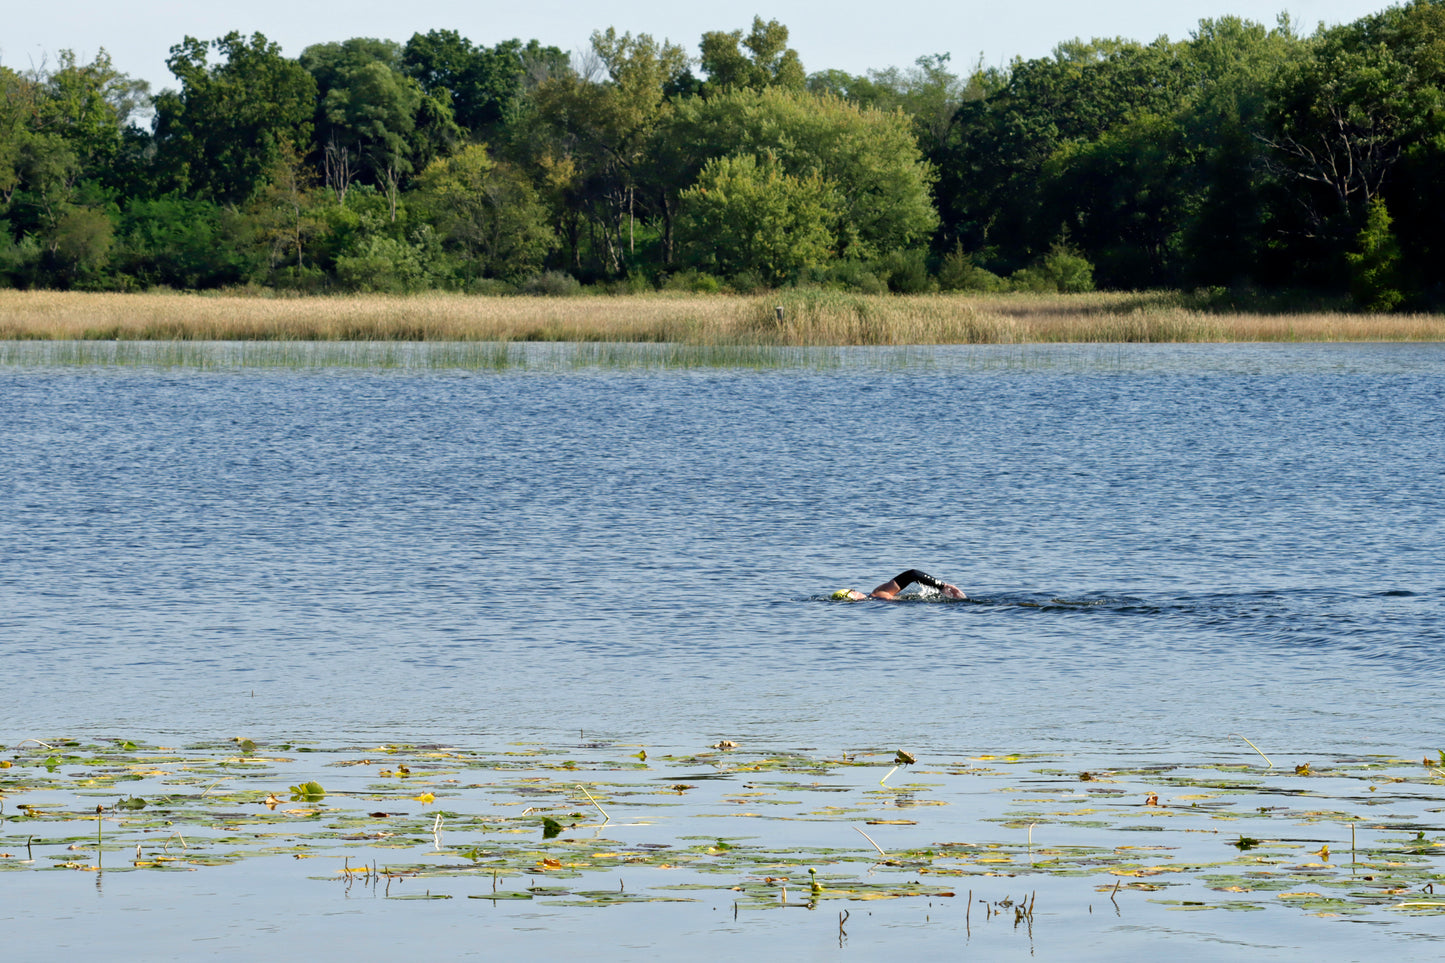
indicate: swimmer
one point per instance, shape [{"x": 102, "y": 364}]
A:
[{"x": 889, "y": 590}]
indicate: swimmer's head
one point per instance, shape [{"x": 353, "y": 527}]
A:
[{"x": 842, "y": 595}]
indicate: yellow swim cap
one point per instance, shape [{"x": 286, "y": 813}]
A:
[{"x": 843, "y": 594}]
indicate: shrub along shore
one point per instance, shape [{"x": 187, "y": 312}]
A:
[{"x": 796, "y": 318}]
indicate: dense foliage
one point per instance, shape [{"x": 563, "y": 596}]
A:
[{"x": 1244, "y": 158}]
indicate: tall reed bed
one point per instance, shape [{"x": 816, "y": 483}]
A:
[{"x": 800, "y": 318}]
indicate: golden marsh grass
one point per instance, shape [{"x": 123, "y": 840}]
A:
[{"x": 809, "y": 318}]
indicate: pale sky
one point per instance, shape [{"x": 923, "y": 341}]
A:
[{"x": 846, "y": 34}]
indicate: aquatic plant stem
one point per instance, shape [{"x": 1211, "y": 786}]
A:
[
  {"x": 870, "y": 839},
  {"x": 605, "y": 817},
  {"x": 1256, "y": 749},
  {"x": 890, "y": 772}
]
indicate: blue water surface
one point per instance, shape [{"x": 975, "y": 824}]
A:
[{"x": 1167, "y": 548}]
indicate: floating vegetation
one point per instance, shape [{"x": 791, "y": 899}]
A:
[{"x": 604, "y": 824}]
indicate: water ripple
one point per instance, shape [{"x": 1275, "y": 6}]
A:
[{"x": 1212, "y": 541}]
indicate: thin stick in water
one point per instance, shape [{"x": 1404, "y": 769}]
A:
[
  {"x": 605, "y": 817},
  {"x": 870, "y": 839},
  {"x": 1256, "y": 749}
]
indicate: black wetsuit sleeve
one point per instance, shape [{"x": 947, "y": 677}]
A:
[{"x": 914, "y": 575}]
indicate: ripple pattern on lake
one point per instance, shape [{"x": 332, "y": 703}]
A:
[{"x": 1164, "y": 546}]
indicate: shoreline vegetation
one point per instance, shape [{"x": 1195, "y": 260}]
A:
[
  {"x": 1259, "y": 158},
  {"x": 796, "y": 318}
]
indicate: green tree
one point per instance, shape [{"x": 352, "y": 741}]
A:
[
  {"x": 372, "y": 118},
  {"x": 181, "y": 243},
  {"x": 62, "y": 133},
  {"x": 593, "y": 139},
  {"x": 486, "y": 86},
  {"x": 1344, "y": 114},
  {"x": 1220, "y": 149},
  {"x": 286, "y": 216},
  {"x": 750, "y": 217},
  {"x": 768, "y": 61},
  {"x": 82, "y": 240},
  {"x": 49, "y": 170},
  {"x": 19, "y": 260},
  {"x": 89, "y": 106},
  {"x": 871, "y": 157},
  {"x": 996, "y": 158},
  {"x": 17, "y": 105},
  {"x": 1375, "y": 278},
  {"x": 960, "y": 271},
  {"x": 382, "y": 263},
  {"x": 221, "y": 134},
  {"x": 1356, "y": 103},
  {"x": 1063, "y": 269},
  {"x": 1124, "y": 197},
  {"x": 486, "y": 212},
  {"x": 929, "y": 92}
]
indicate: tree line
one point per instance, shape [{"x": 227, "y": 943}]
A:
[{"x": 1245, "y": 158}]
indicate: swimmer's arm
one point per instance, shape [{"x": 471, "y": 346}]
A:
[{"x": 891, "y": 588}]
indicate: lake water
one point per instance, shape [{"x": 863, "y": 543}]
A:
[
  {"x": 1164, "y": 546},
  {"x": 1166, "y": 549}
]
